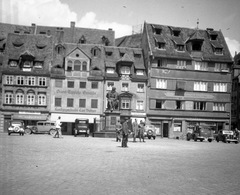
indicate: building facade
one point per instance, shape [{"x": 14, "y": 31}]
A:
[
  {"x": 189, "y": 79},
  {"x": 26, "y": 78}
]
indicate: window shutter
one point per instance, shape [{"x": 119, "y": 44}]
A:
[{"x": 152, "y": 103}]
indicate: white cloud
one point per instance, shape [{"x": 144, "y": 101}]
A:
[
  {"x": 54, "y": 13},
  {"x": 233, "y": 45}
]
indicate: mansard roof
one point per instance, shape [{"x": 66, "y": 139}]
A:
[{"x": 186, "y": 36}]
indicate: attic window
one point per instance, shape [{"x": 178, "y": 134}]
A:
[
  {"x": 95, "y": 52},
  {"x": 196, "y": 45},
  {"x": 213, "y": 37},
  {"x": 16, "y": 31},
  {"x": 121, "y": 54},
  {"x": 40, "y": 46},
  {"x": 160, "y": 45},
  {"x": 139, "y": 72},
  {"x": 136, "y": 55},
  {"x": 176, "y": 33},
  {"x": 82, "y": 40},
  {"x": 59, "y": 49},
  {"x": 108, "y": 53},
  {"x": 42, "y": 32},
  {"x": 38, "y": 65},
  {"x": 26, "y": 32},
  {"x": 158, "y": 31},
  {"x": 69, "y": 65},
  {"x": 13, "y": 63},
  {"x": 180, "y": 47},
  {"x": 218, "y": 51}
]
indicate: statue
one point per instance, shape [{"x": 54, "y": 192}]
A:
[{"x": 112, "y": 97}]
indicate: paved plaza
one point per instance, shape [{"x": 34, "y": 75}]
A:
[{"x": 40, "y": 164}]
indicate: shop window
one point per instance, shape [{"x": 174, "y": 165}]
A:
[
  {"x": 177, "y": 126},
  {"x": 58, "y": 102}
]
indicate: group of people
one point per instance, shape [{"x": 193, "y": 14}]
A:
[{"x": 123, "y": 130}]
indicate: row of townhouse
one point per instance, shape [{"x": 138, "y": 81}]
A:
[{"x": 173, "y": 78}]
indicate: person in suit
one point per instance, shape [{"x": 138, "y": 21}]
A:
[
  {"x": 141, "y": 130},
  {"x": 125, "y": 133},
  {"x": 118, "y": 131},
  {"x": 135, "y": 130}
]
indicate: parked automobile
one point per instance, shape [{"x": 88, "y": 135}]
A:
[
  {"x": 150, "y": 131},
  {"x": 201, "y": 133},
  {"x": 42, "y": 127},
  {"x": 16, "y": 126},
  {"x": 227, "y": 136},
  {"x": 81, "y": 127}
]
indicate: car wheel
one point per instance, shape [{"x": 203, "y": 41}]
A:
[
  {"x": 236, "y": 142},
  {"x": 195, "y": 139},
  {"x": 228, "y": 142},
  {"x": 201, "y": 140},
  {"x": 149, "y": 137},
  {"x": 52, "y": 132},
  {"x": 28, "y": 131},
  {"x": 9, "y": 133},
  {"x": 217, "y": 139},
  {"x": 209, "y": 140},
  {"x": 154, "y": 137}
]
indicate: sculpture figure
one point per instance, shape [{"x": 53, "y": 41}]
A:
[{"x": 112, "y": 97}]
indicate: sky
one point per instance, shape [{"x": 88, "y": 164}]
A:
[{"x": 128, "y": 16}]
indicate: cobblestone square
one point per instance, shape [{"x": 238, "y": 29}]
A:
[{"x": 39, "y": 164}]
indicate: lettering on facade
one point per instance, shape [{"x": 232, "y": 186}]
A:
[
  {"x": 76, "y": 92},
  {"x": 85, "y": 110}
]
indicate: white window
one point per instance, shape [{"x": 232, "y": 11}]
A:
[
  {"x": 221, "y": 67},
  {"x": 181, "y": 64},
  {"x": 139, "y": 72},
  {"x": 9, "y": 80},
  {"x": 31, "y": 81},
  {"x": 200, "y": 86},
  {"x": 12, "y": 63},
  {"x": 220, "y": 87},
  {"x": 41, "y": 99},
  {"x": 140, "y": 88},
  {"x": 201, "y": 66},
  {"x": 110, "y": 85},
  {"x": 8, "y": 98},
  {"x": 125, "y": 87},
  {"x": 20, "y": 80},
  {"x": 27, "y": 64},
  {"x": 218, "y": 107},
  {"x": 38, "y": 65},
  {"x": 110, "y": 70},
  {"x": 19, "y": 98},
  {"x": 139, "y": 105},
  {"x": 125, "y": 70},
  {"x": 125, "y": 104},
  {"x": 42, "y": 81},
  {"x": 30, "y": 99},
  {"x": 161, "y": 84}
]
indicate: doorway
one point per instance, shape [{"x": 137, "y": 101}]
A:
[{"x": 165, "y": 129}]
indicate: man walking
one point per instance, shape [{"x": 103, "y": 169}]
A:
[
  {"x": 125, "y": 132},
  {"x": 135, "y": 130},
  {"x": 118, "y": 131},
  {"x": 58, "y": 124}
]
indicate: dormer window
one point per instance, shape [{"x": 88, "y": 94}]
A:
[
  {"x": 16, "y": 31},
  {"x": 121, "y": 54},
  {"x": 82, "y": 40},
  {"x": 108, "y": 53},
  {"x": 213, "y": 37},
  {"x": 197, "y": 46},
  {"x": 139, "y": 72},
  {"x": 69, "y": 65},
  {"x": 27, "y": 64},
  {"x": 59, "y": 49},
  {"x": 158, "y": 31},
  {"x": 110, "y": 70},
  {"x": 38, "y": 65},
  {"x": 13, "y": 63},
  {"x": 160, "y": 45},
  {"x": 180, "y": 47},
  {"x": 95, "y": 51},
  {"x": 125, "y": 70},
  {"x": 136, "y": 55},
  {"x": 42, "y": 32},
  {"x": 176, "y": 33},
  {"x": 219, "y": 51}
]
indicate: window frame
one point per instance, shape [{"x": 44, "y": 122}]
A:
[{"x": 161, "y": 83}]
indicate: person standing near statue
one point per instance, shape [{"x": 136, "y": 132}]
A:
[
  {"x": 112, "y": 97},
  {"x": 141, "y": 130},
  {"x": 135, "y": 130},
  {"x": 125, "y": 133},
  {"x": 118, "y": 131}
]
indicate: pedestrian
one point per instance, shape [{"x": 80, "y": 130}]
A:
[
  {"x": 118, "y": 131},
  {"x": 135, "y": 130},
  {"x": 237, "y": 133},
  {"x": 58, "y": 124},
  {"x": 125, "y": 132},
  {"x": 141, "y": 130}
]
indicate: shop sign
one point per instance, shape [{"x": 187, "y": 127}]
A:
[
  {"x": 80, "y": 110},
  {"x": 71, "y": 92}
]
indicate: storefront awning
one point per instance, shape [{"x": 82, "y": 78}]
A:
[
  {"x": 71, "y": 117},
  {"x": 36, "y": 117}
]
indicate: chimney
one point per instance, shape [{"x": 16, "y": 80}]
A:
[
  {"x": 72, "y": 26},
  {"x": 34, "y": 28},
  {"x": 60, "y": 34}
]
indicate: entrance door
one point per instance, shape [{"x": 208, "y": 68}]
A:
[{"x": 165, "y": 129}]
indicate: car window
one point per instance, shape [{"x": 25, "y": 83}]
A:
[{"x": 40, "y": 124}]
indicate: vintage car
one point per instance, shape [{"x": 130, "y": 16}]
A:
[
  {"x": 41, "y": 127},
  {"x": 201, "y": 133},
  {"x": 227, "y": 136},
  {"x": 81, "y": 127},
  {"x": 150, "y": 131},
  {"x": 16, "y": 126}
]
